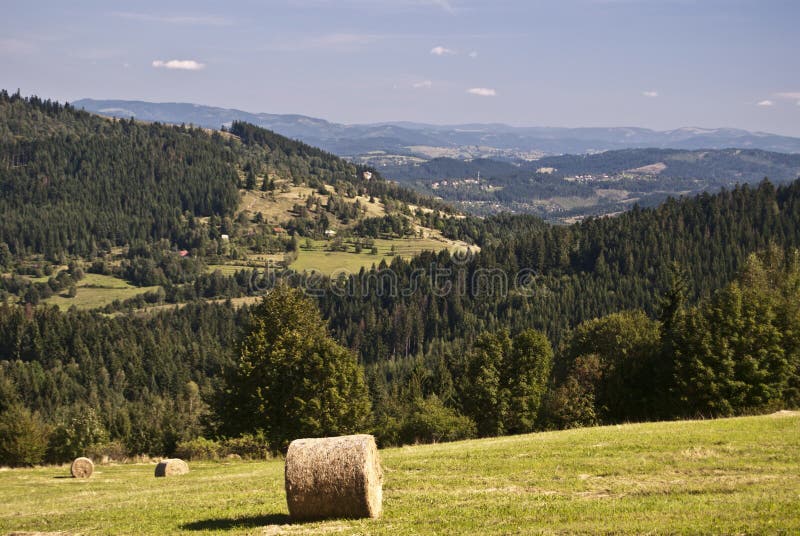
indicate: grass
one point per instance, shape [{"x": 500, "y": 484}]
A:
[
  {"x": 328, "y": 262},
  {"x": 229, "y": 269},
  {"x": 731, "y": 476},
  {"x": 277, "y": 206},
  {"x": 96, "y": 290}
]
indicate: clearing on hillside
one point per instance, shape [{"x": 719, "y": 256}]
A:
[{"x": 96, "y": 290}]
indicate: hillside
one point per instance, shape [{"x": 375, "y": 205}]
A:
[
  {"x": 568, "y": 187},
  {"x": 486, "y": 169},
  {"x": 732, "y": 476},
  {"x": 462, "y": 326},
  {"x": 417, "y": 341},
  {"x": 394, "y": 141},
  {"x": 160, "y": 205}
]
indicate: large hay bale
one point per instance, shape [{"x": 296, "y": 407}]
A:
[
  {"x": 334, "y": 477},
  {"x": 82, "y": 468},
  {"x": 172, "y": 467}
]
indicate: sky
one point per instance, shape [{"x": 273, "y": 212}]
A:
[{"x": 658, "y": 64}]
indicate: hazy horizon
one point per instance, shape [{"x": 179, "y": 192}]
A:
[{"x": 429, "y": 123}]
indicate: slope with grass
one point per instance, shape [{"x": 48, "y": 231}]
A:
[
  {"x": 96, "y": 290},
  {"x": 319, "y": 258},
  {"x": 730, "y": 476}
]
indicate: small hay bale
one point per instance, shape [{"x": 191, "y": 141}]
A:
[
  {"x": 81, "y": 468},
  {"x": 334, "y": 477},
  {"x": 172, "y": 467}
]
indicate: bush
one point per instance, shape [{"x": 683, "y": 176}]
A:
[
  {"x": 432, "y": 422},
  {"x": 570, "y": 405},
  {"x": 79, "y": 431},
  {"x": 387, "y": 430},
  {"x": 23, "y": 437},
  {"x": 248, "y": 446},
  {"x": 199, "y": 449},
  {"x": 114, "y": 450}
]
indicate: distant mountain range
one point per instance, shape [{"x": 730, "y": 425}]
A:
[{"x": 405, "y": 139}]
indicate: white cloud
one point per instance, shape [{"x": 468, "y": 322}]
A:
[
  {"x": 473, "y": 54},
  {"x": 650, "y": 94},
  {"x": 791, "y": 95},
  {"x": 482, "y": 92},
  {"x": 185, "y": 65},
  {"x": 424, "y": 84},
  {"x": 765, "y": 103},
  {"x": 442, "y": 51}
]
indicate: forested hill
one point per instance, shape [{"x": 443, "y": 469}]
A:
[
  {"x": 153, "y": 379},
  {"x": 73, "y": 181},
  {"x": 553, "y": 277},
  {"x": 688, "y": 308},
  {"x": 76, "y": 183}
]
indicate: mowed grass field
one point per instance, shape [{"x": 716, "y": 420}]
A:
[
  {"x": 731, "y": 476},
  {"x": 318, "y": 259},
  {"x": 96, "y": 290}
]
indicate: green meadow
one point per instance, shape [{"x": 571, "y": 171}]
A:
[
  {"x": 318, "y": 258},
  {"x": 729, "y": 476},
  {"x": 96, "y": 290}
]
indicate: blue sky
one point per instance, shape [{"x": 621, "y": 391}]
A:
[{"x": 654, "y": 63}]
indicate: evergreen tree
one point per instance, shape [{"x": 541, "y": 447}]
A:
[
  {"x": 505, "y": 381},
  {"x": 527, "y": 371},
  {"x": 23, "y": 437},
  {"x": 737, "y": 352}
]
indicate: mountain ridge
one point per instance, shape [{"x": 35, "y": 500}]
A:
[{"x": 401, "y": 137}]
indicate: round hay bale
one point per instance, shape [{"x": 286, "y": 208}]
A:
[
  {"x": 81, "y": 468},
  {"x": 172, "y": 467},
  {"x": 334, "y": 477}
]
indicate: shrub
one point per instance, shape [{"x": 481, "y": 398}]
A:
[
  {"x": 432, "y": 422},
  {"x": 79, "y": 431},
  {"x": 248, "y": 446},
  {"x": 570, "y": 405},
  {"x": 198, "y": 449},
  {"x": 115, "y": 451}
]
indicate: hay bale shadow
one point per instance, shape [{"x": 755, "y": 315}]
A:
[{"x": 238, "y": 522}]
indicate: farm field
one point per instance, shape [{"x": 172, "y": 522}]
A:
[
  {"x": 329, "y": 262},
  {"x": 729, "y": 476},
  {"x": 96, "y": 290}
]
